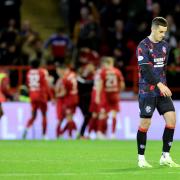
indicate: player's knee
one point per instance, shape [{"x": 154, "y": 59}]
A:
[
  {"x": 69, "y": 117},
  {"x": 145, "y": 123},
  {"x": 170, "y": 118},
  {"x": 171, "y": 122},
  {"x": 114, "y": 114}
]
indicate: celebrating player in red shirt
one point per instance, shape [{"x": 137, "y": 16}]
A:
[
  {"x": 67, "y": 99},
  {"x": 94, "y": 107},
  {"x": 39, "y": 92},
  {"x": 112, "y": 82}
]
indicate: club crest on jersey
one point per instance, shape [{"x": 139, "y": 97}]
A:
[
  {"x": 164, "y": 49},
  {"x": 140, "y": 58},
  {"x": 148, "y": 109},
  {"x": 150, "y": 50}
]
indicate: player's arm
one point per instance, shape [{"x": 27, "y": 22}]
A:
[
  {"x": 60, "y": 90},
  {"x": 6, "y": 88},
  {"x": 99, "y": 84},
  {"x": 164, "y": 89},
  {"x": 152, "y": 79},
  {"x": 122, "y": 86},
  {"x": 45, "y": 83},
  {"x": 122, "y": 83}
]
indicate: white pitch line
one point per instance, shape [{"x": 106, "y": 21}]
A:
[
  {"x": 72, "y": 160},
  {"x": 80, "y": 174}
]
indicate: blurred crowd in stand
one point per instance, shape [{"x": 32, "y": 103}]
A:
[{"x": 91, "y": 29}]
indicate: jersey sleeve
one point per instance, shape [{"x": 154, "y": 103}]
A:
[{"x": 142, "y": 54}]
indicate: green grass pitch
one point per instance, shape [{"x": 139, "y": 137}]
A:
[{"x": 82, "y": 159}]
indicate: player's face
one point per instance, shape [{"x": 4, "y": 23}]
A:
[{"x": 159, "y": 33}]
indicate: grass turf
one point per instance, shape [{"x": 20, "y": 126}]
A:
[{"x": 82, "y": 159}]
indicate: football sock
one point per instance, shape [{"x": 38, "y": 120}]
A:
[
  {"x": 92, "y": 124},
  {"x": 44, "y": 125},
  {"x": 141, "y": 140},
  {"x": 58, "y": 130},
  {"x": 71, "y": 127},
  {"x": 167, "y": 138},
  {"x": 102, "y": 125},
  {"x": 64, "y": 129},
  {"x": 25, "y": 133},
  {"x": 113, "y": 125}
]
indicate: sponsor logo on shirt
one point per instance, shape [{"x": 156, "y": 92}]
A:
[{"x": 159, "y": 62}]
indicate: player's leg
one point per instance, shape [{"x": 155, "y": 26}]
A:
[
  {"x": 102, "y": 124},
  {"x": 71, "y": 124},
  {"x": 114, "y": 121},
  {"x": 43, "y": 108},
  {"x": 84, "y": 104},
  {"x": 93, "y": 122},
  {"x": 1, "y": 110},
  {"x": 147, "y": 107},
  {"x": 30, "y": 121},
  {"x": 58, "y": 127},
  {"x": 141, "y": 141},
  {"x": 166, "y": 107},
  {"x": 60, "y": 116},
  {"x": 94, "y": 109}
]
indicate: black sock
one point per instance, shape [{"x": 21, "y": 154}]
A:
[
  {"x": 167, "y": 139},
  {"x": 141, "y": 141}
]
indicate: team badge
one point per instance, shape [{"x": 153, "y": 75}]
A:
[
  {"x": 148, "y": 109},
  {"x": 140, "y": 58}
]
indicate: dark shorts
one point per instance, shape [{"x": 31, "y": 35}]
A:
[{"x": 147, "y": 105}]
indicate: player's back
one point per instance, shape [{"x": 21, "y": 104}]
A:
[
  {"x": 112, "y": 78},
  {"x": 70, "y": 81},
  {"x": 37, "y": 83},
  {"x": 71, "y": 86}
]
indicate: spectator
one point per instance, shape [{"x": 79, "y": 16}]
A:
[{"x": 60, "y": 45}]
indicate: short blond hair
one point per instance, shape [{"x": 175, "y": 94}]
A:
[{"x": 108, "y": 60}]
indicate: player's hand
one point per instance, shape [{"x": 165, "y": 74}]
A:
[
  {"x": 164, "y": 89},
  {"x": 53, "y": 101}
]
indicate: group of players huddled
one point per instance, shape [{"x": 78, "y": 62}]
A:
[{"x": 108, "y": 81}]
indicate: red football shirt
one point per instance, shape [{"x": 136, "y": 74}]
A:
[{"x": 38, "y": 84}]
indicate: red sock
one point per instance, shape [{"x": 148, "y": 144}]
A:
[
  {"x": 113, "y": 125},
  {"x": 64, "y": 129},
  {"x": 71, "y": 127},
  {"x": 44, "y": 125},
  {"x": 58, "y": 130},
  {"x": 102, "y": 125},
  {"x": 92, "y": 124}
]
